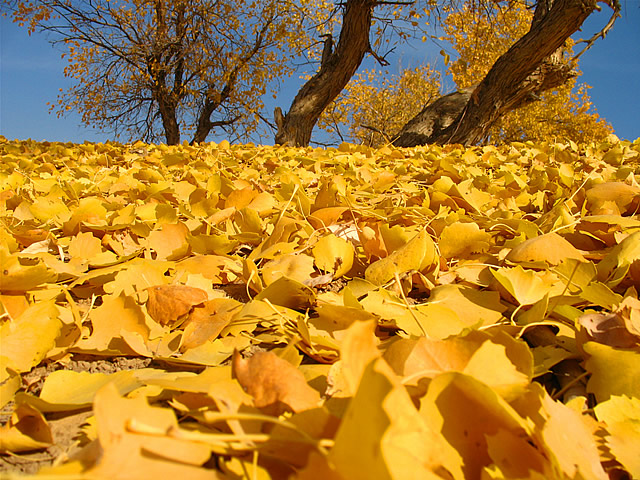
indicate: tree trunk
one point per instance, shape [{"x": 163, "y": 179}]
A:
[
  {"x": 296, "y": 126},
  {"x": 157, "y": 69},
  {"x": 170, "y": 124},
  {"x": 528, "y": 68}
]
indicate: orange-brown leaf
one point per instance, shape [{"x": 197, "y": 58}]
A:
[
  {"x": 167, "y": 303},
  {"x": 275, "y": 384}
]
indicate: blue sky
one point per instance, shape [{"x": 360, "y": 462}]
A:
[{"x": 31, "y": 74}]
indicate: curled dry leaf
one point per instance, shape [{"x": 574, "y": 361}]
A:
[
  {"x": 167, "y": 303},
  {"x": 609, "y": 329},
  {"x": 26, "y": 430},
  {"x": 275, "y": 385}
]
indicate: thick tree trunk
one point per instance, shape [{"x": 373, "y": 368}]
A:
[
  {"x": 432, "y": 123},
  {"x": 170, "y": 124},
  {"x": 528, "y": 68},
  {"x": 295, "y": 127}
]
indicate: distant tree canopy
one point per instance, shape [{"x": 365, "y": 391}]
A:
[
  {"x": 161, "y": 69},
  {"x": 166, "y": 69}
]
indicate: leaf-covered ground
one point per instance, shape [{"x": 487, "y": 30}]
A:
[{"x": 220, "y": 311}]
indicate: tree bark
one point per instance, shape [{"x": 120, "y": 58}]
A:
[
  {"x": 529, "y": 67},
  {"x": 296, "y": 126}
]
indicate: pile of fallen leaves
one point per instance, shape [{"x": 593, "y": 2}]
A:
[{"x": 348, "y": 313}]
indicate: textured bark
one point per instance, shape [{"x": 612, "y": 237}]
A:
[
  {"x": 296, "y": 126},
  {"x": 433, "y": 119},
  {"x": 528, "y": 68}
]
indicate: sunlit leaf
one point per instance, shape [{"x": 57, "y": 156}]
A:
[
  {"x": 20, "y": 274},
  {"x": 274, "y": 383},
  {"x": 382, "y": 435},
  {"x": 333, "y": 255},
  {"x": 27, "y": 340},
  {"x": 27, "y": 429},
  {"x": 168, "y": 303},
  {"x": 417, "y": 254},
  {"x": 621, "y": 414},
  {"x": 550, "y": 248},
  {"x": 602, "y": 361},
  {"x": 461, "y": 240}
]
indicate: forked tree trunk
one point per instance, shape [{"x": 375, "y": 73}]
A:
[
  {"x": 528, "y": 68},
  {"x": 295, "y": 127}
]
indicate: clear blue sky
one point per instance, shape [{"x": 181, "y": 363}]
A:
[{"x": 31, "y": 75}]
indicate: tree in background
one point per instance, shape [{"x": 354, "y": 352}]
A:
[
  {"x": 533, "y": 64},
  {"x": 530, "y": 66},
  {"x": 373, "y": 107},
  {"x": 161, "y": 68},
  {"x": 480, "y": 37},
  {"x": 366, "y": 28},
  {"x": 152, "y": 68}
]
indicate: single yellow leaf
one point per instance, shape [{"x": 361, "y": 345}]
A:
[
  {"x": 462, "y": 240},
  {"x": 334, "y": 255},
  {"x": 297, "y": 267},
  {"x": 207, "y": 320},
  {"x": 491, "y": 365},
  {"x": 477, "y": 307},
  {"x": 526, "y": 286},
  {"x": 467, "y": 412},
  {"x": 135, "y": 442},
  {"x": 65, "y": 390},
  {"x": 217, "y": 268},
  {"x": 26, "y": 430},
  {"x": 170, "y": 242},
  {"x": 602, "y": 361},
  {"x": 618, "y": 262},
  {"x": 167, "y": 304},
  {"x": 626, "y": 197},
  {"x": 516, "y": 457},
  {"x": 27, "y": 340},
  {"x": 116, "y": 314},
  {"x": 569, "y": 442},
  {"x": 357, "y": 350},
  {"x": 621, "y": 414},
  {"x": 324, "y": 217},
  {"x": 19, "y": 274},
  {"x": 417, "y": 254},
  {"x": 85, "y": 246},
  {"x": 550, "y": 248},
  {"x": 241, "y": 198}
]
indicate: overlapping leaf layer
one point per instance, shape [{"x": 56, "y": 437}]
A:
[{"x": 435, "y": 312}]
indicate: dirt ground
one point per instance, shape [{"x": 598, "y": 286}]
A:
[{"x": 65, "y": 427}]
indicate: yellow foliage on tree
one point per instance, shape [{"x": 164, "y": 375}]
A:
[
  {"x": 375, "y": 107},
  {"x": 161, "y": 68},
  {"x": 480, "y": 36}
]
